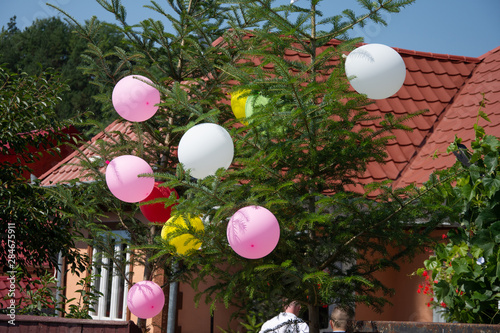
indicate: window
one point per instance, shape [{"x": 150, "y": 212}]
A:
[
  {"x": 108, "y": 278},
  {"x": 437, "y": 315}
]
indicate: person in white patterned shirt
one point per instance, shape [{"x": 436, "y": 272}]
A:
[{"x": 286, "y": 321}]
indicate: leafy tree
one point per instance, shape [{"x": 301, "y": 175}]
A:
[
  {"x": 30, "y": 221},
  {"x": 463, "y": 274},
  {"x": 50, "y": 43},
  {"x": 295, "y": 156}
]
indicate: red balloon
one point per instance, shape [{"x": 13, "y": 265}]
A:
[{"x": 157, "y": 212}]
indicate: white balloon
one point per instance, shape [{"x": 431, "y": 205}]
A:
[
  {"x": 375, "y": 70},
  {"x": 204, "y": 149}
]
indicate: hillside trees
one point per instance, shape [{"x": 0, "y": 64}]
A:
[
  {"x": 51, "y": 43},
  {"x": 297, "y": 155}
]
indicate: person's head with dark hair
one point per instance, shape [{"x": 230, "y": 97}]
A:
[
  {"x": 341, "y": 318},
  {"x": 291, "y": 307}
]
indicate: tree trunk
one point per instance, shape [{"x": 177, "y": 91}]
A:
[
  {"x": 313, "y": 318},
  {"x": 172, "y": 303}
]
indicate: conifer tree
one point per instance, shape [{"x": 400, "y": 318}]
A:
[
  {"x": 174, "y": 61},
  {"x": 297, "y": 155}
]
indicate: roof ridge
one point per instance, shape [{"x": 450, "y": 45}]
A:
[{"x": 443, "y": 56}]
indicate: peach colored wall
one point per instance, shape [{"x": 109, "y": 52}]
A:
[
  {"x": 71, "y": 287},
  {"x": 407, "y": 304},
  {"x": 194, "y": 319}
]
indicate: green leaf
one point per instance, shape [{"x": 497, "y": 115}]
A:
[
  {"x": 484, "y": 241},
  {"x": 476, "y": 252},
  {"x": 495, "y": 231},
  {"x": 491, "y": 142},
  {"x": 479, "y": 130},
  {"x": 491, "y": 161},
  {"x": 491, "y": 186},
  {"x": 431, "y": 264},
  {"x": 481, "y": 296},
  {"x": 483, "y": 115},
  {"x": 468, "y": 192},
  {"x": 460, "y": 266},
  {"x": 462, "y": 249},
  {"x": 486, "y": 216},
  {"x": 442, "y": 251},
  {"x": 442, "y": 289},
  {"x": 469, "y": 304}
]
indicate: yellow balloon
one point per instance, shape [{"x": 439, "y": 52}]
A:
[
  {"x": 185, "y": 242},
  {"x": 238, "y": 103}
]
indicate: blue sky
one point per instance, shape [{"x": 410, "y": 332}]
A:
[{"x": 458, "y": 27}]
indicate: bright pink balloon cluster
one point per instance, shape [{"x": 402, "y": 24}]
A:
[
  {"x": 253, "y": 232},
  {"x": 145, "y": 299},
  {"x": 122, "y": 178},
  {"x": 135, "y": 99}
]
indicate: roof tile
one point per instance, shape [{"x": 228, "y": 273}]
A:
[
  {"x": 413, "y": 92},
  {"x": 410, "y": 63},
  {"x": 423, "y": 65},
  {"x": 448, "y": 81},
  {"x": 441, "y": 67},
  {"x": 400, "y": 153}
]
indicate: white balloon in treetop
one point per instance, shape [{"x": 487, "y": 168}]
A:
[
  {"x": 375, "y": 70},
  {"x": 204, "y": 149}
]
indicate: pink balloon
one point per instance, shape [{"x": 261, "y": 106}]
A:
[
  {"x": 253, "y": 232},
  {"x": 123, "y": 181},
  {"x": 145, "y": 299},
  {"x": 134, "y": 99}
]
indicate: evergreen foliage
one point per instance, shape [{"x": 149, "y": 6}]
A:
[{"x": 296, "y": 156}]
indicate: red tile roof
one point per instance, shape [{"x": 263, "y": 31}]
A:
[
  {"x": 6, "y": 291},
  {"x": 432, "y": 82},
  {"x": 448, "y": 86},
  {"x": 458, "y": 118},
  {"x": 70, "y": 168}
]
